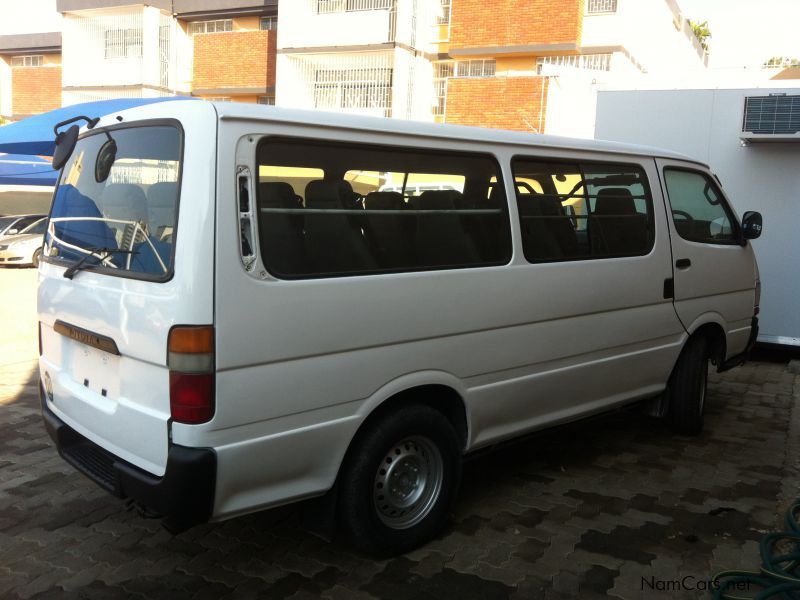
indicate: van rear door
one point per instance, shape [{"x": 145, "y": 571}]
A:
[{"x": 113, "y": 283}]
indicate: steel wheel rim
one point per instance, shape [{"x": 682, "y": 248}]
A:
[{"x": 408, "y": 482}]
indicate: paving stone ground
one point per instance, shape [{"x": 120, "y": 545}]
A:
[{"x": 614, "y": 507}]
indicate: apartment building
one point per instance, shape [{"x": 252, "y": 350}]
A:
[
  {"x": 209, "y": 48},
  {"x": 514, "y": 64},
  {"x": 30, "y": 59},
  {"x": 357, "y": 56},
  {"x": 504, "y": 61}
]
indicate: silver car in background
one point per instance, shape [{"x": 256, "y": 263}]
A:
[
  {"x": 25, "y": 247},
  {"x": 15, "y": 224}
]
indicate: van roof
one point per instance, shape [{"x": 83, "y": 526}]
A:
[{"x": 334, "y": 120}]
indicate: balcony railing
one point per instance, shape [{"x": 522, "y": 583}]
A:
[{"x": 586, "y": 62}]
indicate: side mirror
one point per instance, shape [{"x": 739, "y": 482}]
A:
[
  {"x": 751, "y": 225},
  {"x": 12, "y": 231},
  {"x": 65, "y": 144}
]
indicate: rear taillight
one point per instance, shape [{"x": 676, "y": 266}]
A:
[
  {"x": 190, "y": 358},
  {"x": 757, "y": 302}
]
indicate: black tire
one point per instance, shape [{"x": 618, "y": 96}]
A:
[
  {"x": 687, "y": 387},
  {"x": 37, "y": 254},
  {"x": 369, "y": 527}
]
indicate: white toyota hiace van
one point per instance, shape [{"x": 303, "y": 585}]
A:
[{"x": 242, "y": 306}]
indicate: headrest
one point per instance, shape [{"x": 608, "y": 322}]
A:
[
  {"x": 384, "y": 201},
  {"x": 615, "y": 201},
  {"x": 162, "y": 195},
  {"x": 327, "y": 194},
  {"x": 550, "y": 206},
  {"x": 438, "y": 199},
  {"x": 124, "y": 201},
  {"x": 277, "y": 194}
]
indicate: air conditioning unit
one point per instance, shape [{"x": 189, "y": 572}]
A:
[{"x": 772, "y": 118}]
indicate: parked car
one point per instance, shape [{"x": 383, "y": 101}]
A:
[
  {"x": 12, "y": 225},
  {"x": 25, "y": 247},
  {"x": 287, "y": 340}
]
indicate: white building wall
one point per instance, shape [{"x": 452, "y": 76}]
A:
[
  {"x": 706, "y": 124},
  {"x": 152, "y": 57},
  {"x": 300, "y": 26},
  {"x": 5, "y": 89},
  {"x": 653, "y": 31},
  {"x": 84, "y": 60}
]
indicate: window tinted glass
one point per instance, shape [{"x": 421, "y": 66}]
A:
[
  {"x": 574, "y": 211},
  {"x": 133, "y": 210},
  {"x": 5, "y": 222},
  {"x": 699, "y": 211},
  {"x": 327, "y": 210},
  {"x": 39, "y": 226}
]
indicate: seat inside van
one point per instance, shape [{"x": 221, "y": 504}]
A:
[
  {"x": 333, "y": 242},
  {"x": 615, "y": 225},
  {"x": 441, "y": 238}
]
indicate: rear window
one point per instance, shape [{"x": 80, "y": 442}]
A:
[{"x": 124, "y": 224}]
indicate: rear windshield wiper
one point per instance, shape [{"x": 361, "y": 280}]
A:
[{"x": 80, "y": 265}]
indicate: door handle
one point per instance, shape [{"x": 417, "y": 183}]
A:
[{"x": 683, "y": 263}]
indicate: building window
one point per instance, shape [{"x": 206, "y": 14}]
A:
[
  {"x": 269, "y": 23},
  {"x": 446, "y": 8},
  {"x": 356, "y": 90},
  {"x": 476, "y": 68},
  {"x": 269, "y": 99},
  {"x": 333, "y": 6},
  {"x": 211, "y": 26},
  {"x": 27, "y": 61},
  {"x": 588, "y": 62},
  {"x": 599, "y": 7},
  {"x": 441, "y": 72},
  {"x": 123, "y": 43},
  {"x": 219, "y": 99}
]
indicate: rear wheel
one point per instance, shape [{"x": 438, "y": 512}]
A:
[
  {"x": 37, "y": 254},
  {"x": 399, "y": 481},
  {"x": 687, "y": 387}
]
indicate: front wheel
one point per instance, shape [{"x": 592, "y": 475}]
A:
[
  {"x": 399, "y": 481},
  {"x": 37, "y": 255},
  {"x": 687, "y": 387}
]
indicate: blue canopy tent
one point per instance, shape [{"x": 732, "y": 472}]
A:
[
  {"x": 34, "y": 135},
  {"x": 18, "y": 169}
]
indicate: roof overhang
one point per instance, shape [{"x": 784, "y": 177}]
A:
[
  {"x": 30, "y": 43},
  {"x": 196, "y": 10}
]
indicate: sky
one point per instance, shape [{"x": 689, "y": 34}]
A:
[{"x": 747, "y": 32}]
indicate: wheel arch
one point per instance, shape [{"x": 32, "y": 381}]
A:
[
  {"x": 711, "y": 326},
  {"x": 441, "y": 391}
]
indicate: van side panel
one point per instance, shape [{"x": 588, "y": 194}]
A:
[{"x": 299, "y": 362}]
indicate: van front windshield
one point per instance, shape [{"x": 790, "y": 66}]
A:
[{"x": 122, "y": 219}]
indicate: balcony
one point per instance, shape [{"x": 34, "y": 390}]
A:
[{"x": 314, "y": 24}]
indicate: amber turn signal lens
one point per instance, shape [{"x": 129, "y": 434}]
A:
[{"x": 191, "y": 340}]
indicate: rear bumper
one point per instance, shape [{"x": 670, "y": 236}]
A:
[
  {"x": 183, "y": 497},
  {"x": 740, "y": 359}
]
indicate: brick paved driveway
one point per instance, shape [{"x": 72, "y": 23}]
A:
[{"x": 591, "y": 510}]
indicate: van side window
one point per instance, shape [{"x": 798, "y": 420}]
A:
[
  {"x": 571, "y": 211},
  {"x": 699, "y": 211},
  {"x": 344, "y": 209}
]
